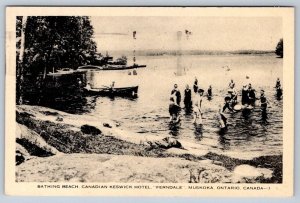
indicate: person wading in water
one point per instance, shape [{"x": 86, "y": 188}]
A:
[
  {"x": 187, "y": 98},
  {"x": 197, "y": 107},
  {"x": 195, "y": 85},
  {"x": 209, "y": 92},
  {"x": 263, "y": 105},
  {"x": 174, "y": 111},
  {"x": 176, "y": 93}
]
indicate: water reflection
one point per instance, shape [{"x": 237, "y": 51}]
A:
[
  {"x": 224, "y": 143},
  {"x": 198, "y": 132},
  {"x": 174, "y": 129},
  {"x": 246, "y": 113}
]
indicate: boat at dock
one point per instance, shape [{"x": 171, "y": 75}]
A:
[{"x": 104, "y": 78}]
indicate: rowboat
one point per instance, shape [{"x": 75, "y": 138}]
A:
[{"x": 116, "y": 91}]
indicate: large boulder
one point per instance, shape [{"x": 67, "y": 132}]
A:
[
  {"x": 21, "y": 154},
  {"x": 33, "y": 143},
  {"x": 247, "y": 174},
  {"x": 88, "y": 129}
]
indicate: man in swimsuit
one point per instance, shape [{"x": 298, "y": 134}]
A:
[
  {"x": 277, "y": 83},
  {"x": 195, "y": 85},
  {"x": 279, "y": 92},
  {"x": 231, "y": 84},
  {"x": 187, "y": 97},
  {"x": 233, "y": 96},
  {"x": 251, "y": 95},
  {"x": 209, "y": 92},
  {"x": 263, "y": 105},
  {"x": 174, "y": 110},
  {"x": 176, "y": 93},
  {"x": 197, "y": 106},
  {"x": 245, "y": 99}
]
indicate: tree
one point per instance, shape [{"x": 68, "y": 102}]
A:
[
  {"x": 20, "y": 34},
  {"x": 51, "y": 43},
  {"x": 279, "y": 48}
]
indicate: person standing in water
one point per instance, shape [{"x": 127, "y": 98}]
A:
[
  {"x": 231, "y": 84},
  {"x": 263, "y": 105},
  {"x": 174, "y": 111},
  {"x": 209, "y": 92},
  {"x": 187, "y": 97},
  {"x": 233, "y": 95},
  {"x": 197, "y": 107},
  {"x": 176, "y": 93},
  {"x": 227, "y": 104},
  {"x": 251, "y": 95},
  {"x": 277, "y": 83},
  {"x": 279, "y": 92},
  {"x": 222, "y": 119},
  {"x": 278, "y": 89},
  {"x": 245, "y": 99},
  {"x": 195, "y": 85}
]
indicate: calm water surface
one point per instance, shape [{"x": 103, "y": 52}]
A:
[{"x": 247, "y": 135}]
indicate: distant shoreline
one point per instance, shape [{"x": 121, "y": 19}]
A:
[{"x": 187, "y": 52}]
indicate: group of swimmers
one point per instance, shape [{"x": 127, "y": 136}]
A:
[
  {"x": 230, "y": 101},
  {"x": 195, "y": 105}
]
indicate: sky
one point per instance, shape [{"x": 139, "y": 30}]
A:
[{"x": 207, "y": 33}]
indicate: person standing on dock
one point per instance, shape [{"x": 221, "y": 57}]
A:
[
  {"x": 195, "y": 85},
  {"x": 187, "y": 97},
  {"x": 176, "y": 93}
]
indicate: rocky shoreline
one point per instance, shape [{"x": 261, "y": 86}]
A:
[{"x": 56, "y": 146}]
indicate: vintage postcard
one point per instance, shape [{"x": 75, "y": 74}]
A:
[{"x": 149, "y": 101}]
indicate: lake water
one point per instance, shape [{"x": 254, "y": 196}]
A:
[{"x": 246, "y": 136}]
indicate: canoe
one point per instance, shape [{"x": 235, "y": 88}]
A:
[{"x": 117, "y": 91}]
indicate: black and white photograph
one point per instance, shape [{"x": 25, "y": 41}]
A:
[{"x": 162, "y": 101}]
